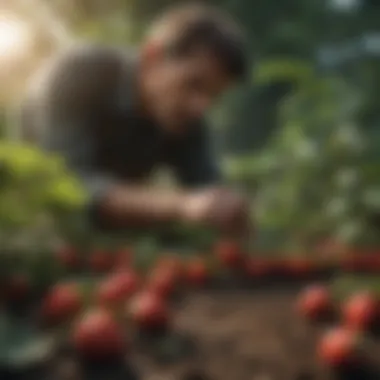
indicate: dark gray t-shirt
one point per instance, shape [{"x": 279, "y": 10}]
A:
[{"x": 82, "y": 106}]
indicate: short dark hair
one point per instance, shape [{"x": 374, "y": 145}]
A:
[{"x": 184, "y": 28}]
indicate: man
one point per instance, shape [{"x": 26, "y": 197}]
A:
[{"x": 115, "y": 117}]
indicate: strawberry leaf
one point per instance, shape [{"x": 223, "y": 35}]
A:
[{"x": 22, "y": 345}]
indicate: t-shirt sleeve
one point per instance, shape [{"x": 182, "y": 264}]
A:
[{"x": 194, "y": 161}]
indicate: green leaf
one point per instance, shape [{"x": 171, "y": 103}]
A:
[
  {"x": 22, "y": 344},
  {"x": 346, "y": 284},
  {"x": 146, "y": 253},
  {"x": 283, "y": 70}
]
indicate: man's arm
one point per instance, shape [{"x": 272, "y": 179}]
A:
[
  {"x": 112, "y": 203},
  {"x": 196, "y": 167}
]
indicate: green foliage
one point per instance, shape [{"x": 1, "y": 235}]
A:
[
  {"x": 309, "y": 180},
  {"x": 22, "y": 345},
  {"x": 344, "y": 285},
  {"x": 282, "y": 70},
  {"x": 35, "y": 190}
]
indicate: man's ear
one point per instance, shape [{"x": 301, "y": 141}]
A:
[{"x": 151, "y": 51}]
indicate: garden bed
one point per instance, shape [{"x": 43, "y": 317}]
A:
[{"x": 219, "y": 334}]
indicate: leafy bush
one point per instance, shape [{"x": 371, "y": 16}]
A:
[
  {"x": 37, "y": 196},
  {"x": 318, "y": 176}
]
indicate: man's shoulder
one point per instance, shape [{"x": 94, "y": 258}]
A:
[
  {"x": 79, "y": 66},
  {"x": 94, "y": 54},
  {"x": 74, "y": 82}
]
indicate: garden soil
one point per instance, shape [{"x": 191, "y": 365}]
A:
[{"x": 241, "y": 334}]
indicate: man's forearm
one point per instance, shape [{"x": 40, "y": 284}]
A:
[{"x": 134, "y": 206}]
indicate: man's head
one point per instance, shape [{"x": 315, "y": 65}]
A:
[{"x": 190, "y": 57}]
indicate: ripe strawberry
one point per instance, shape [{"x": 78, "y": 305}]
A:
[
  {"x": 331, "y": 248},
  {"x": 162, "y": 281},
  {"x": 123, "y": 259},
  {"x": 171, "y": 264},
  {"x": 356, "y": 262},
  {"x": 98, "y": 336},
  {"x": 118, "y": 288},
  {"x": 338, "y": 347},
  {"x": 361, "y": 311},
  {"x": 101, "y": 261},
  {"x": 18, "y": 287},
  {"x": 229, "y": 254},
  {"x": 370, "y": 262},
  {"x": 298, "y": 267},
  {"x": 278, "y": 265},
  {"x": 149, "y": 311},
  {"x": 196, "y": 272},
  {"x": 259, "y": 268},
  {"x": 373, "y": 262},
  {"x": 62, "y": 303},
  {"x": 314, "y": 302},
  {"x": 68, "y": 257}
]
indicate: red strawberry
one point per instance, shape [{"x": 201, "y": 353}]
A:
[
  {"x": 315, "y": 302},
  {"x": 97, "y": 336},
  {"x": 162, "y": 281},
  {"x": 338, "y": 347},
  {"x": 196, "y": 272},
  {"x": 361, "y": 311},
  {"x": 101, "y": 261},
  {"x": 69, "y": 258},
  {"x": 298, "y": 267},
  {"x": 259, "y": 268},
  {"x": 123, "y": 259},
  {"x": 148, "y": 310},
  {"x": 62, "y": 303},
  {"x": 229, "y": 254},
  {"x": 117, "y": 288},
  {"x": 171, "y": 264},
  {"x": 18, "y": 287}
]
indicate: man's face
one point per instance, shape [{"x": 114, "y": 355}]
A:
[{"x": 181, "y": 90}]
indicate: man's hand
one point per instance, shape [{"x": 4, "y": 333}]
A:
[
  {"x": 222, "y": 209},
  {"x": 218, "y": 208}
]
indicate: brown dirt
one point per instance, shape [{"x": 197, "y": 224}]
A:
[
  {"x": 246, "y": 335},
  {"x": 242, "y": 335},
  {"x": 234, "y": 335}
]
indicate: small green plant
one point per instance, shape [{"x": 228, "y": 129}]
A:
[{"x": 38, "y": 195}]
